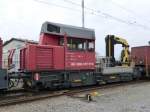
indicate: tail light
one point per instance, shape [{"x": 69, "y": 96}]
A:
[{"x": 36, "y": 76}]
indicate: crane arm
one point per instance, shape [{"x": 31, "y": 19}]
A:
[
  {"x": 121, "y": 41},
  {"x": 111, "y": 41}
]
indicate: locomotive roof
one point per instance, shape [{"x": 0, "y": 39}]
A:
[{"x": 72, "y": 31}]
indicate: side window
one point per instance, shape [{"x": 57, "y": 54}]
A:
[
  {"x": 53, "y": 28},
  {"x": 91, "y": 46},
  {"x": 76, "y": 44},
  {"x": 61, "y": 41},
  {"x": 80, "y": 46}
]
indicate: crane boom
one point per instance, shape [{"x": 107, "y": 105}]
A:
[{"x": 111, "y": 41}]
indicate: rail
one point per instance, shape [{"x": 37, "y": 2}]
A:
[{"x": 31, "y": 96}]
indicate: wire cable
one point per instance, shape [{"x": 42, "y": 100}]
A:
[
  {"x": 128, "y": 10},
  {"x": 95, "y": 12},
  {"x": 113, "y": 17}
]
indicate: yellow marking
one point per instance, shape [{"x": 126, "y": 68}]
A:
[
  {"x": 77, "y": 80},
  {"x": 112, "y": 77},
  {"x": 95, "y": 93}
]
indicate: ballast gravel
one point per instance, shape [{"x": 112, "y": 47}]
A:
[{"x": 130, "y": 98}]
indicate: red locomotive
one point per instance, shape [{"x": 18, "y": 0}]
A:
[{"x": 64, "y": 55}]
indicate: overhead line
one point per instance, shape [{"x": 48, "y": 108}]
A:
[
  {"x": 129, "y": 11},
  {"x": 95, "y": 12},
  {"x": 50, "y": 3},
  {"x": 110, "y": 16}
]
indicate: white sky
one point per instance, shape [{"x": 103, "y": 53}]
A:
[{"x": 23, "y": 19}]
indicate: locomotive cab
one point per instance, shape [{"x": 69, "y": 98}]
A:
[{"x": 79, "y": 44}]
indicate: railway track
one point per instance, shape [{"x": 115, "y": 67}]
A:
[{"x": 28, "y": 96}]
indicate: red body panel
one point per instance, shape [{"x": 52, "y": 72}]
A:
[
  {"x": 46, "y": 57},
  {"x": 23, "y": 59},
  {"x": 80, "y": 60},
  {"x": 46, "y": 39},
  {"x": 42, "y": 57},
  {"x": 141, "y": 55}
]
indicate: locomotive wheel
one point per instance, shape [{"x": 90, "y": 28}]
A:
[{"x": 27, "y": 84}]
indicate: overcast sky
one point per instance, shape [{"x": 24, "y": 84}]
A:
[{"x": 129, "y": 19}]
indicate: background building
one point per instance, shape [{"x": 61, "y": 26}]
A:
[{"x": 11, "y": 52}]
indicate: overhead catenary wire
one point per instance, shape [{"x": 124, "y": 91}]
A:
[
  {"x": 134, "y": 14},
  {"x": 61, "y": 6},
  {"x": 113, "y": 17},
  {"x": 128, "y": 10},
  {"x": 94, "y": 12}
]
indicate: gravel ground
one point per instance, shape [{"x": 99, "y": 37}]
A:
[{"x": 131, "y": 98}]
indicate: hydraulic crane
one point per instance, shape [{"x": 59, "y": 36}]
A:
[
  {"x": 111, "y": 41},
  {"x": 121, "y": 70}
]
